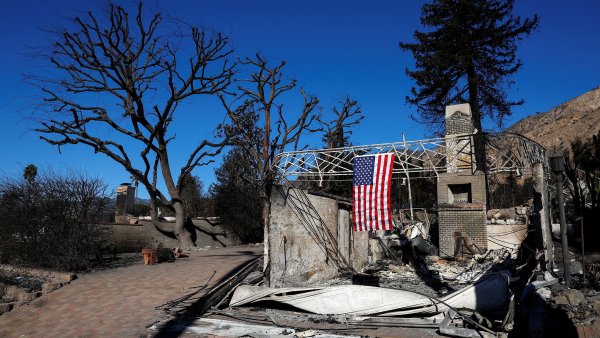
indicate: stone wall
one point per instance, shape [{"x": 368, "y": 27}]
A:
[
  {"x": 132, "y": 237},
  {"x": 297, "y": 254},
  {"x": 358, "y": 245}
]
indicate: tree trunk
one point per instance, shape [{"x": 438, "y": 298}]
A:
[
  {"x": 266, "y": 216},
  {"x": 182, "y": 234},
  {"x": 476, "y": 116},
  {"x": 479, "y": 138},
  {"x": 184, "y": 237}
]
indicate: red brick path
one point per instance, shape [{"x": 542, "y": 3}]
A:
[{"x": 121, "y": 302}]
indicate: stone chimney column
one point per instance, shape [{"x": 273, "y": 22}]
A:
[
  {"x": 125, "y": 204},
  {"x": 459, "y": 150},
  {"x": 461, "y": 191}
]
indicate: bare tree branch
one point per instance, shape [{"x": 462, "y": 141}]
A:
[{"x": 337, "y": 131}]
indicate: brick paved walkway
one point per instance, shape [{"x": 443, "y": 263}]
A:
[{"x": 121, "y": 302}]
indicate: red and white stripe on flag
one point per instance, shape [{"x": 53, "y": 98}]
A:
[{"x": 371, "y": 198}]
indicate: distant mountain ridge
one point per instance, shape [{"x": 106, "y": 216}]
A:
[{"x": 558, "y": 127}]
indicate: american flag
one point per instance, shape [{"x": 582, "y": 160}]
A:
[{"x": 371, "y": 202}]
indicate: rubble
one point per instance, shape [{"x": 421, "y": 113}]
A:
[
  {"x": 444, "y": 298},
  {"x": 19, "y": 286},
  {"x": 570, "y": 297},
  {"x": 229, "y": 328},
  {"x": 471, "y": 296},
  {"x": 511, "y": 216}
]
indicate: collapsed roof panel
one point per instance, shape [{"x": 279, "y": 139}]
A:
[{"x": 489, "y": 294}]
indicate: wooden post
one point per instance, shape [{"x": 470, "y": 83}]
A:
[{"x": 540, "y": 215}]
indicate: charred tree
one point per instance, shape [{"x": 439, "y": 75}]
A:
[
  {"x": 125, "y": 75},
  {"x": 262, "y": 128},
  {"x": 336, "y": 134}
]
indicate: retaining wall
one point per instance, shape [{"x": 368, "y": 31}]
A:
[{"x": 132, "y": 237}]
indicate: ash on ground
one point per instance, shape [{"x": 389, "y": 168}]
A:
[
  {"x": 431, "y": 276},
  {"x": 29, "y": 283}
]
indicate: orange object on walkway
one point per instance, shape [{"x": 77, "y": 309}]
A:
[{"x": 150, "y": 256}]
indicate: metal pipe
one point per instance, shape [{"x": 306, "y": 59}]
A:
[
  {"x": 557, "y": 163},
  {"x": 563, "y": 228},
  {"x": 582, "y": 248},
  {"x": 412, "y": 218}
]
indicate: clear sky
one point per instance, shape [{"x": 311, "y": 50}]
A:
[{"x": 333, "y": 49}]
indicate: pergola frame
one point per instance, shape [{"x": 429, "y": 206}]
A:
[{"x": 505, "y": 152}]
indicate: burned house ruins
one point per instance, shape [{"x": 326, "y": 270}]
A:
[
  {"x": 311, "y": 237},
  {"x": 320, "y": 269},
  {"x": 321, "y": 273}
]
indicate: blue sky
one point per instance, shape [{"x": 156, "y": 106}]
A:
[{"x": 333, "y": 49}]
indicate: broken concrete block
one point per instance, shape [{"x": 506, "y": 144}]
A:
[
  {"x": 493, "y": 214},
  {"x": 557, "y": 287},
  {"x": 575, "y": 268},
  {"x": 596, "y": 306},
  {"x": 28, "y": 297},
  {"x": 49, "y": 287},
  {"x": 569, "y": 297},
  {"x": 12, "y": 293},
  {"x": 375, "y": 250},
  {"x": 305, "y": 334},
  {"x": 508, "y": 213},
  {"x": 121, "y": 219},
  {"x": 521, "y": 210}
]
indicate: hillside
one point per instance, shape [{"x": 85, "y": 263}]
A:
[{"x": 558, "y": 127}]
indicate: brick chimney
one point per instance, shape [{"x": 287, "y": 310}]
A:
[
  {"x": 125, "y": 203},
  {"x": 461, "y": 189}
]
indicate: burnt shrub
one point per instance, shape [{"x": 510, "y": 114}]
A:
[
  {"x": 52, "y": 221},
  {"x": 164, "y": 255}
]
